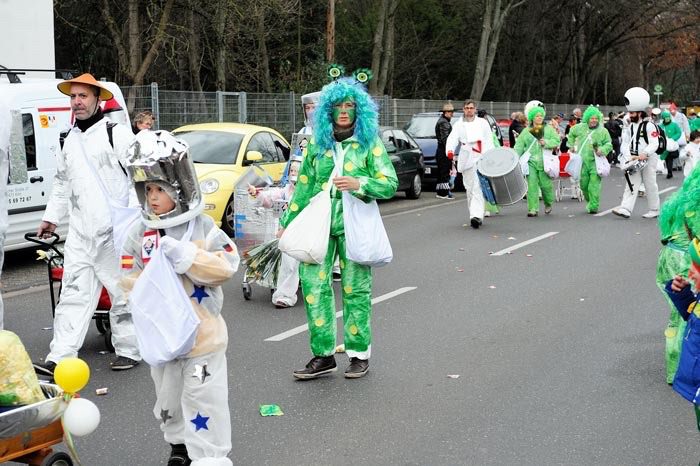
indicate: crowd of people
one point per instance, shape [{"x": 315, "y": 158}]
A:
[{"x": 135, "y": 214}]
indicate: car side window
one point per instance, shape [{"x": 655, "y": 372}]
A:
[
  {"x": 29, "y": 140},
  {"x": 401, "y": 141},
  {"x": 389, "y": 141},
  {"x": 262, "y": 142},
  {"x": 281, "y": 147}
]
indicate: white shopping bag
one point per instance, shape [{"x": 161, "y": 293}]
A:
[
  {"x": 525, "y": 159},
  {"x": 306, "y": 237},
  {"x": 164, "y": 320},
  {"x": 573, "y": 166},
  {"x": 551, "y": 163},
  {"x": 366, "y": 241},
  {"x": 602, "y": 166}
]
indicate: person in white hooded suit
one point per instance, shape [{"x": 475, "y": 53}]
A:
[{"x": 474, "y": 138}]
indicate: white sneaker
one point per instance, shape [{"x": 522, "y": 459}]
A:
[
  {"x": 651, "y": 214},
  {"x": 487, "y": 214},
  {"x": 620, "y": 212}
]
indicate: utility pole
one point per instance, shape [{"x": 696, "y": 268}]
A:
[{"x": 330, "y": 32}]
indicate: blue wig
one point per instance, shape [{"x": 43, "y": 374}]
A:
[{"x": 366, "y": 114}]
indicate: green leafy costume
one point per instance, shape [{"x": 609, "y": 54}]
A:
[
  {"x": 586, "y": 146},
  {"x": 365, "y": 158},
  {"x": 681, "y": 209},
  {"x": 537, "y": 179}
]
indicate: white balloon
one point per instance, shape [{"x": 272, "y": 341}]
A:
[{"x": 81, "y": 417}]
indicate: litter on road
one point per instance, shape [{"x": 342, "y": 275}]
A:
[{"x": 270, "y": 410}]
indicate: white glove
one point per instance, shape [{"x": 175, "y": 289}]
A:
[{"x": 180, "y": 254}]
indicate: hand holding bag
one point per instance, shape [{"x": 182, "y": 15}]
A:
[
  {"x": 602, "y": 166},
  {"x": 306, "y": 237},
  {"x": 164, "y": 320},
  {"x": 551, "y": 163}
]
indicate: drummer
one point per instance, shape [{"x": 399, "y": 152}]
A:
[
  {"x": 473, "y": 135},
  {"x": 537, "y": 137}
]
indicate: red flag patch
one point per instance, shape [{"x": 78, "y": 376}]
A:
[{"x": 655, "y": 134}]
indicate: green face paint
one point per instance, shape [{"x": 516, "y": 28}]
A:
[{"x": 345, "y": 109}]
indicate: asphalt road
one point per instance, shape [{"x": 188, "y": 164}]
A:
[{"x": 558, "y": 347}]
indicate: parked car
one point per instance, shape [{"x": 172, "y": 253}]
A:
[
  {"x": 422, "y": 128},
  {"x": 221, "y": 152},
  {"x": 407, "y": 158}
]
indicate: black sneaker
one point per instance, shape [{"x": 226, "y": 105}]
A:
[
  {"x": 122, "y": 363},
  {"x": 45, "y": 369},
  {"x": 357, "y": 368},
  {"x": 336, "y": 276},
  {"x": 317, "y": 367},
  {"x": 179, "y": 456},
  {"x": 476, "y": 223}
]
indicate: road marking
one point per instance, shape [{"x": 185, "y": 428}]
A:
[
  {"x": 305, "y": 327},
  {"x": 420, "y": 209},
  {"x": 606, "y": 212},
  {"x": 524, "y": 243},
  {"x": 30, "y": 290}
]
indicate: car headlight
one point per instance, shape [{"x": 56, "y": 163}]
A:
[{"x": 208, "y": 186}]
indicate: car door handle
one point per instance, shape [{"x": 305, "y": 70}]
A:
[{"x": 34, "y": 179}]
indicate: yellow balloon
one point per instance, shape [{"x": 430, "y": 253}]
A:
[{"x": 72, "y": 374}]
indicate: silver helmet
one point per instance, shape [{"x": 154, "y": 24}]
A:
[
  {"x": 158, "y": 157},
  {"x": 311, "y": 98}
]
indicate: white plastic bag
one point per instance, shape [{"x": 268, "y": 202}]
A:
[
  {"x": 602, "y": 166},
  {"x": 306, "y": 237},
  {"x": 123, "y": 219},
  {"x": 366, "y": 241},
  {"x": 671, "y": 145},
  {"x": 573, "y": 166},
  {"x": 164, "y": 320},
  {"x": 525, "y": 159},
  {"x": 551, "y": 163}
]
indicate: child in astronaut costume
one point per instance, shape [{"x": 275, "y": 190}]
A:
[
  {"x": 285, "y": 294},
  {"x": 192, "y": 391},
  {"x": 346, "y": 128}
]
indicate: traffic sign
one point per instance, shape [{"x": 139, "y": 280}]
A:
[{"x": 658, "y": 88}]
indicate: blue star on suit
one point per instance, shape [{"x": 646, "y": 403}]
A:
[
  {"x": 199, "y": 294},
  {"x": 200, "y": 422}
]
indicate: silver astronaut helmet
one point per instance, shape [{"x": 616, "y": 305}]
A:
[
  {"x": 306, "y": 99},
  {"x": 158, "y": 157}
]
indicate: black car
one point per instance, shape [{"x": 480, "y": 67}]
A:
[
  {"x": 407, "y": 158},
  {"x": 422, "y": 128}
]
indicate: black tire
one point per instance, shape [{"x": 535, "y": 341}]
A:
[
  {"x": 108, "y": 341},
  {"x": 58, "y": 459},
  {"x": 416, "y": 188},
  {"x": 102, "y": 324},
  {"x": 247, "y": 291},
  {"x": 227, "y": 219}
]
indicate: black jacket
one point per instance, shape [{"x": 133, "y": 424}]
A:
[
  {"x": 442, "y": 132},
  {"x": 514, "y": 130}
]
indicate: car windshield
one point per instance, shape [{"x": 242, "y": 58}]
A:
[
  {"x": 423, "y": 126},
  {"x": 212, "y": 146}
]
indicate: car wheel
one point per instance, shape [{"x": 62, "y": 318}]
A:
[
  {"x": 227, "y": 219},
  {"x": 413, "y": 192}
]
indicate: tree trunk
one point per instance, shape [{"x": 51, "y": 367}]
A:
[
  {"x": 262, "y": 52},
  {"x": 388, "y": 56},
  {"x": 193, "y": 51},
  {"x": 494, "y": 17},
  {"x": 330, "y": 32},
  {"x": 155, "y": 45},
  {"x": 378, "y": 46},
  {"x": 220, "y": 60},
  {"x": 135, "y": 41}
]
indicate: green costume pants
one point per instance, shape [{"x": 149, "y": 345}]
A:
[
  {"x": 538, "y": 180},
  {"x": 590, "y": 185},
  {"x": 319, "y": 300},
  {"x": 673, "y": 260}
]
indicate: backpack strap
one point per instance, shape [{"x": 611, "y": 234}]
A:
[
  {"x": 62, "y": 137},
  {"x": 110, "y": 128}
]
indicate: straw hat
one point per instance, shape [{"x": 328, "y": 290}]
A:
[
  {"x": 88, "y": 79},
  {"x": 448, "y": 107}
]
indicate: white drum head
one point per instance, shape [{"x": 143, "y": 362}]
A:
[{"x": 498, "y": 162}]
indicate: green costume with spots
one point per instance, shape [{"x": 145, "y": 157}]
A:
[
  {"x": 378, "y": 180},
  {"x": 537, "y": 179},
  {"x": 586, "y": 146}
]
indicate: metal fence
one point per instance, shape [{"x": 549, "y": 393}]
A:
[{"x": 283, "y": 111}]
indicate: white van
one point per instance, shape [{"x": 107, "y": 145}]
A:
[{"x": 44, "y": 113}]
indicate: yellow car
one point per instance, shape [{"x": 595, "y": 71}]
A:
[{"x": 222, "y": 152}]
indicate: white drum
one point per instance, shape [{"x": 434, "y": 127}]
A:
[{"x": 501, "y": 166}]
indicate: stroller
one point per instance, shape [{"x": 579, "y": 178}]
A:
[
  {"x": 55, "y": 272},
  {"x": 562, "y": 189}
]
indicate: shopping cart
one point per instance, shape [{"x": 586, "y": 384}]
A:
[
  {"x": 564, "y": 187},
  {"x": 254, "y": 225},
  {"x": 28, "y": 432},
  {"x": 55, "y": 272}
]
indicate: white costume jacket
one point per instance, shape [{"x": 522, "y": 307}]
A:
[{"x": 473, "y": 138}]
